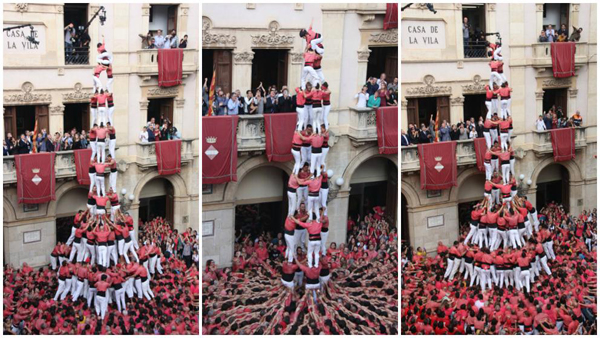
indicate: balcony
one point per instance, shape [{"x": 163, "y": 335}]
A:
[
  {"x": 465, "y": 155},
  {"x": 145, "y": 157},
  {"x": 147, "y": 63},
  {"x": 542, "y": 142},
  {"x": 363, "y": 125},
  {"x": 542, "y": 57},
  {"x": 251, "y": 134},
  {"x": 64, "y": 167}
]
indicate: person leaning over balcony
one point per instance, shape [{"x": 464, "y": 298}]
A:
[
  {"x": 577, "y": 119},
  {"x": 372, "y": 86},
  {"x": 146, "y": 39},
  {"x": 576, "y": 35},
  {"x": 144, "y": 135},
  {"x": 69, "y": 34},
  {"x": 362, "y": 97},
  {"x": 374, "y": 101}
]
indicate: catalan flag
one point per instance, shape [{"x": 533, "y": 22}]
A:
[
  {"x": 211, "y": 94},
  {"x": 34, "y": 138}
]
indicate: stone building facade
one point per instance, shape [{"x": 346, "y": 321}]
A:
[
  {"x": 441, "y": 74},
  {"x": 42, "y": 83},
  {"x": 352, "y": 35}
]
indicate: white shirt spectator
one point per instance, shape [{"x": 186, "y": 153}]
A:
[
  {"x": 159, "y": 41},
  {"x": 540, "y": 125},
  {"x": 144, "y": 136},
  {"x": 362, "y": 100},
  {"x": 167, "y": 44}
]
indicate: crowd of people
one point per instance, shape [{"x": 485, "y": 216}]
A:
[
  {"x": 160, "y": 41},
  {"x": 355, "y": 286},
  {"x": 561, "y": 35},
  {"x": 102, "y": 281},
  {"x": 559, "y": 300},
  {"x": 293, "y": 282}
]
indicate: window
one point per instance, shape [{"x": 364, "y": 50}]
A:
[
  {"x": 556, "y": 98},
  {"x": 474, "y": 107},
  {"x": 474, "y": 44},
  {"x": 18, "y": 119},
  {"x": 160, "y": 109},
  {"x": 76, "y": 38},
  {"x": 383, "y": 60},
  {"x": 163, "y": 17},
  {"x": 77, "y": 116},
  {"x": 557, "y": 15},
  {"x": 222, "y": 60},
  {"x": 420, "y": 110}
]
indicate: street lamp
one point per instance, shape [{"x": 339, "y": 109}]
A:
[
  {"x": 523, "y": 186},
  {"x": 126, "y": 200}
]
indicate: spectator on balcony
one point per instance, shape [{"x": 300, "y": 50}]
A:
[
  {"x": 372, "y": 86},
  {"x": 24, "y": 145},
  {"x": 173, "y": 39},
  {"x": 576, "y": 34},
  {"x": 69, "y": 36},
  {"x": 233, "y": 105},
  {"x": 272, "y": 103},
  {"x": 374, "y": 101},
  {"x": 463, "y": 134},
  {"x": 392, "y": 98},
  {"x": 363, "y": 97},
  {"x": 159, "y": 40},
  {"x": 382, "y": 82},
  {"x": 563, "y": 30},
  {"x": 561, "y": 38},
  {"x": 383, "y": 95},
  {"x": 260, "y": 102},
  {"x": 146, "y": 40},
  {"x": 551, "y": 34},
  {"x": 479, "y": 127},
  {"x": 393, "y": 85},
  {"x": 466, "y": 28},
  {"x": 425, "y": 135},
  {"x": 250, "y": 106},
  {"x": 543, "y": 37},
  {"x": 144, "y": 135},
  {"x": 10, "y": 142},
  {"x": 285, "y": 105},
  {"x": 577, "y": 119},
  {"x": 6, "y": 149},
  {"x": 404, "y": 140},
  {"x": 444, "y": 132},
  {"x": 183, "y": 42},
  {"x": 220, "y": 103},
  {"x": 152, "y": 45},
  {"x": 454, "y": 133}
]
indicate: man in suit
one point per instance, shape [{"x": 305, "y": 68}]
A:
[
  {"x": 24, "y": 145},
  {"x": 272, "y": 103},
  {"x": 405, "y": 141}
]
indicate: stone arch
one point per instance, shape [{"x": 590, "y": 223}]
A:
[
  {"x": 359, "y": 159},
  {"x": 461, "y": 179},
  {"x": 411, "y": 195},
  {"x": 177, "y": 181},
  {"x": 60, "y": 192},
  {"x": 9, "y": 211},
  {"x": 249, "y": 165},
  {"x": 571, "y": 166}
]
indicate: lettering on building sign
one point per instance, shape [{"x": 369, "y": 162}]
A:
[
  {"x": 423, "y": 34},
  {"x": 19, "y": 41}
]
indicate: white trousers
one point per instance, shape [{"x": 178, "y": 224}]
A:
[
  {"x": 494, "y": 135},
  {"x": 320, "y": 74},
  {"x": 301, "y": 119},
  {"x": 313, "y": 207},
  {"x": 92, "y": 181},
  {"x": 53, "y": 262},
  {"x": 134, "y": 239},
  {"x": 495, "y": 78},
  {"x": 120, "y": 298},
  {"x": 103, "y": 255},
  {"x": 313, "y": 250},
  {"x": 471, "y": 234},
  {"x": 101, "y": 148},
  {"x": 63, "y": 289},
  {"x": 297, "y": 161},
  {"x": 94, "y": 113},
  {"x": 323, "y": 198},
  {"x": 504, "y": 140},
  {"x": 324, "y": 152},
  {"x": 78, "y": 290},
  {"x": 484, "y": 278},
  {"x": 316, "y": 119},
  {"x": 299, "y": 239},
  {"x": 305, "y": 155},
  {"x": 449, "y": 267},
  {"x": 488, "y": 105},
  {"x": 513, "y": 235},
  {"x": 128, "y": 247},
  {"x": 112, "y": 181},
  {"x": 324, "y": 236},
  {"x": 111, "y": 111},
  {"x": 524, "y": 279},
  {"x": 314, "y": 45},
  {"x": 109, "y": 83},
  {"x": 291, "y": 203},
  {"x": 455, "y": 267},
  {"x": 112, "y": 144},
  {"x": 315, "y": 163},
  {"x": 90, "y": 252},
  {"x": 495, "y": 106},
  {"x": 488, "y": 139},
  {"x": 100, "y": 185},
  {"x": 548, "y": 248},
  {"x": 113, "y": 213},
  {"x": 94, "y": 146},
  {"x": 506, "y": 173},
  {"x": 488, "y": 171},
  {"x": 102, "y": 115},
  {"x": 301, "y": 195},
  {"x": 325, "y": 119},
  {"x": 504, "y": 109},
  {"x": 97, "y": 85},
  {"x": 101, "y": 306},
  {"x": 290, "y": 242},
  {"x": 308, "y": 111},
  {"x": 544, "y": 263},
  {"x": 306, "y": 71}
]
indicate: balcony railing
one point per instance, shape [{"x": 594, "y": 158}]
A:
[
  {"x": 77, "y": 56},
  {"x": 475, "y": 50},
  {"x": 146, "y": 153},
  {"x": 465, "y": 155},
  {"x": 363, "y": 124},
  {"x": 64, "y": 167},
  {"x": 251, "y": 133},
  {"x": 148, "y": 62},
  {"x": 542, "y": 141},
  {"x": 542, "y": 56}
]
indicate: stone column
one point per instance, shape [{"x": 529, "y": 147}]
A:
[
  {"x": 146, "y": 19},
  {"x": 338, "y": 215},
  {"x": 573, "y": 17},
  {"x": 92, "y": 31},
  {"x": 457, "y": 109},
  {"x": 242, "y": 69},
  {"x": 178, "y": 113},
  {"x": 182, "y": 20},
  {"x": 333, "y": 31},
  {"x": 363, "y": 63},
  {"x": 539, "y": 103},
  {"x": 57, "y": 116},
  {"x": 572, "y": 102},
  {"x": 295, "y": 65},
  {"x": 404, "y": 115},
  {"x": 180, "y": 209},
  {"x": 460, "y": 43},
  {"x": 490, "y": 17},
  {"x": 539, "y": 18},
  {"x": 142, "y": 119}
]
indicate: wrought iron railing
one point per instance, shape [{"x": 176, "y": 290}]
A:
[
  {"x": 77, "y": 56},
  {"x": 475, "y": 50}
]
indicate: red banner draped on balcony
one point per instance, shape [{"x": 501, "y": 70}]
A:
[
  {"x": 82, "y": 165},
  {"x": 563, "y": 59},
  {"x": 279, "y": 130},
  {"x": 219, "y": 149},
  {"x": 391, "y": 16},
  {"x": 35, "y": 178},
  {"x": 168, "y": 157},
  {"x": 438, "y": 165},
  {"x": 387, "y": 129},
  {"x": 170, "y": 67},
  {"x": 480, "y": 149},
  {"x": 563, "y": 144}
]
